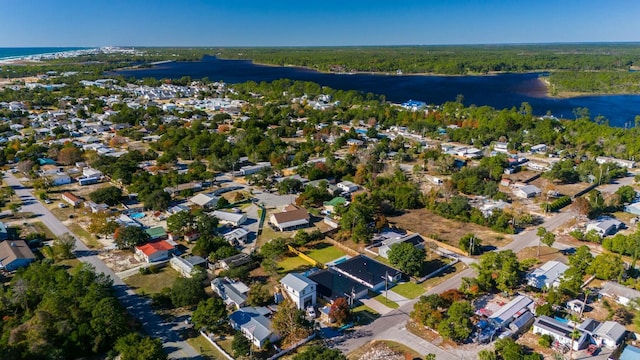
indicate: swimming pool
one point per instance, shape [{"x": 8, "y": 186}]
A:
[{"x": 137, "y": 215}]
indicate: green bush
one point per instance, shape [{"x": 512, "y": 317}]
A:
[
  {"x": 545, "y": 341},
  {"x": 557, "y": 204}
]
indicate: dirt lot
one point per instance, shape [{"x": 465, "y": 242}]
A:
[
  {"x": 546, "y": 254},
  {"x": 119, "y": 260},
  {"x": 564, "y": 189},
  {"x": 429, "y": 224}
]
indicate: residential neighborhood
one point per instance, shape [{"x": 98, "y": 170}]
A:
[{"x": 244, "y": 213}]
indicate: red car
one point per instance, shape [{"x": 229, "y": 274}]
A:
[{"x": 592, "y": 349}]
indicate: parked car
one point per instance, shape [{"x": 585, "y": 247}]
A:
[
  {"x": 311, "y": 312},
  {"x": 62, "y": 205},
  {"x": 47, "y": 201}
]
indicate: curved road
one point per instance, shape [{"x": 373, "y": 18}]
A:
[{"x": 138, "y": 306}]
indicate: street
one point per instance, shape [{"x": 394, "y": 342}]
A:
[{"x": 138, "y": 306}]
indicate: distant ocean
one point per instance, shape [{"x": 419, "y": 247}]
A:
[{"x": 20, "y": 52}]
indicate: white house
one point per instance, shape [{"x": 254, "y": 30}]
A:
[
  {"x": 252, "y": 169},
  {"x": 609, "y": 334},
  {"x": 204, "y": 200},
  {"x": 414, "y": 239},
  {"x": 185, "y": 266},
  {"x": 154, "y": 251},
  {"x": 60, "y": 179},
  {"x": 605, "y": 227},
  {"x": 547, "y": 276},
  {"x": 300, "y": 290},
  {"x": 290, "y": 219},
  {"x": 540, "y": 148},
  {"x": 254, "y": 325},
  {"x": 510, "y": 311},
  {"x": 236, "y": 236},
  {"x": 620, "y": 162},
  {"x": 231, "y": 292},
  {"x": 619, "y": 293},
  {"x": 560, "y": 332},
  {"x": 527, "y": 191},
  {"x": 348, "y": 186},
  {"x": 234, "y": 219}
]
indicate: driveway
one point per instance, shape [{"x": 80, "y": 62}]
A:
[{"x": 137, "y": 306}]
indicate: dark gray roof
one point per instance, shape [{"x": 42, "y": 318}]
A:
[
  {"x": 253, "y": 319},
  {"x": 332, "y": 284},
  {"x": 366, "y": 269}
]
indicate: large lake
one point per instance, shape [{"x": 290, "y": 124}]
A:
[{"x": 498, "y": 91}]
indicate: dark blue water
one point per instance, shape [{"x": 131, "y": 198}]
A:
[
  {"x": 19, "y": 52},
  {"x": 498, "y": 91}
]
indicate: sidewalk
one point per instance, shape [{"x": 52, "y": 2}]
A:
[
  {"x": 395, "y": 297},
  {"x": 376, "y": 305}
]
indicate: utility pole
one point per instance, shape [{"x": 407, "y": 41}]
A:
[{"x": 386, "y": 285}]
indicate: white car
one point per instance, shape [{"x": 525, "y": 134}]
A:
[
  {"x": 47, "y": 201},
  {"x": 62, "y": 205},
  {"x": 311, "y": 312}
]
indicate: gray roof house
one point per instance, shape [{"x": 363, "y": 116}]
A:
[
  {"x": 185, "y": 266},
  {"x": 15, "y": 254},
  {"x": 204, "y": 200},
  {"x": 546, "y": 276},
  {"x": 4, "y": 234},
  {"x": 605, "y": 227},
  {"x": 527, "y": 191},
  {"x": 619, "y": 293},
  {"x": 414, "y": 239},
  {"x": 512, "y": 310},
  {"x": 608, "y": 334},
  {"x": 559, "y": 331},
  {"x": 300, "y": 289},
  {"x": 231, "y": 292},
  {"x": 368, "y": 272},
  {"x": 254, "y": 324}
]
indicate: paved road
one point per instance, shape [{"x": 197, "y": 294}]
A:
[
  {"x": 391, "y": 326},
  {"x": 138, "y": 306}
]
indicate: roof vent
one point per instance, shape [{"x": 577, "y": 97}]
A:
[{"x": 13, "y": 244}]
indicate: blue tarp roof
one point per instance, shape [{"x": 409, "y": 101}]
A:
[{"x": 630, "y": 353}]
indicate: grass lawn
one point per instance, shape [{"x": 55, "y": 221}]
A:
[
  {"x": 84, "y": 235},
  {"x": 152, "y": 283},
  {"x": 364, "y": 315},
  {"x": 325, "y": 253},
  {"x": 442, "y": 276},
  {"x": 388, "y": 303},
  {"x": 409, "y": 290},
  {"x": 205, "y": 348},
  {"x": 42, "y": 228},
  {"x": 289, "y": 264}
]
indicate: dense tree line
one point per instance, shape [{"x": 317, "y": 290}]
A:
[{"x": 51, "y": 313}]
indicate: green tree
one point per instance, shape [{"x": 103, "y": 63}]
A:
[
  {"x": 222, "y": 203},
  {"x": 407, "y": 258},
  {"x": 627, "y": 193},
  {"x": 259, "y": 295},
  {"x": 240, "y": 345},
  {"x": 187, "y": 291},
  {"x": 498, "y": 270},
  {"x": 209, "y": 314},
  {"x": 129, "y": 236},
  {"x": 607, "y": 266},
  {"x": 180, "y": 223},
  {"x": 471, "y": 244},
  {"x": 110, "y": 195},
  {"x": 545, "y": 237},
  {"x": 63, "y": 246},
  {"x": 289, "y": 323},
  {"x": 317, "y": 352},
  {"x": 158, "y": 200},
  {"x": 137, "y": 347},
  {"x": 457, "y": 326},
  {"x": 507, "y": 348}
]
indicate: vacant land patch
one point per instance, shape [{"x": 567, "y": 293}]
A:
[
  {"x": 152, "y": 283},
  {"x": 429, "y": 224}
]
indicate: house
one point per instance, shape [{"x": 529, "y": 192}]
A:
[
  {"x": 205, "y": 200},
  {"x": 605, "y": 227},
  {"x": 511, "y": 311},
  {"x": 300, "y": 290},
  {"x": 546, "y": 276},
  {"x": 540, "y": 148},
  {"x": 154, "y": 251},
  {"x": 236, "y": 236},
  {"x": 609, "y": 334},
  {"x": 194, "y": 186},
  {"x": 522, "y": 323},
  {"x": 71, "y": 198},
  {"x": 4, "y": 233},
  {"x": 354, "y": 142},
  {"x": 254, "y": 325},
  {"x": 252, "y": 169},
  {"x": 620, "y": 162},
  {"x": 91, "y": 172},
  {"x": 527, "y": 191},
  {"x": 88, "y": 180},
  {"x": 347, "y": 186},
  {"x": 125, "y": 220},
  {"x": 234, "y": 261},
  {"x": 233, "y": 293},
  {"x": 60, "y": 179},
  {"x": 96, "y": 208},
  {"x": 15, "y": 254},
  {"x": 414, "y": 239},
  {"x": 620, "y": 294},
  {"x": 177, "y": 208},
  {"x": 332, "y": 285},
  {"x": 291, "y": 218},
  {"x": 560, "y": 332},
  {"x": 156, "y": 233},
  {"x": 370, "y": 273},
  {"x": 331, "y": 205},
  {"x": 185, "y": 266},
  {"x": 501, "y": 147},
  {"x": 633, "y": 208},
  {"x": 225, "y": 217}
]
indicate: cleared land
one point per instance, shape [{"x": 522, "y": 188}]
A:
[
  {"x": 429, "y": 224},
  {"x": 409, "y": 290}
]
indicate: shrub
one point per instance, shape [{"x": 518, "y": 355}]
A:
[
  {"x": 557, "y": 204},
  {"x": 545, "y": 341}
]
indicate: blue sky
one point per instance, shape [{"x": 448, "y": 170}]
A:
[{"x": 31, "y": 23}]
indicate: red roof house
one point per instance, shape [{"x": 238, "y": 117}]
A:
[{"x": 154, "y": 251}]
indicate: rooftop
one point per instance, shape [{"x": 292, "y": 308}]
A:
[
  {"x": 153, "y": 247},
  {"x": 11, "y": 250},
  {"x": 297, "y": 282},
  {"x": 366, "y": 269}
]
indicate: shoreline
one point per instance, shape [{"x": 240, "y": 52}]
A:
[{"x": 572, "y": 94}]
